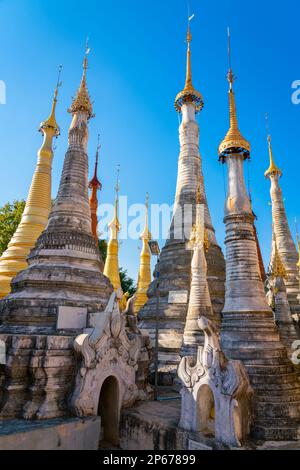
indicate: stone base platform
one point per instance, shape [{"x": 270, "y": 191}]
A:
[
  {"x": 154, "y": 426},
  {"x": 53, "y": 434}
]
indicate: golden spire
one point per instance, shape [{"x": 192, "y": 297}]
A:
[
  {"x": 37, "y": 208},
  {"x": 51, "y": 121},
  {"x": 234, "y": 142},
  {"x": 144, "y": 278},
  {"x": 273, "y": 169},
  {"x": 95, "y": 185},
  {"x": 189, "y": 94},
  {"x": 146, "y": 235},
  {"x": 82, "y": 101},
  {"x": 111, "y": 268},
  {"x": 277, "y": 267}
]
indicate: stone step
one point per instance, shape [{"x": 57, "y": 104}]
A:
[
  {"x": 277, "y": 410},
  {"x": 269, "y": 431},
  {"x": 291, "y": 378},
  {"x": 258, "y": 356},
  {"x": 274, "y": 387},
  {"x": 291, "y": 396},
  {"x": 269, "y": 369}
]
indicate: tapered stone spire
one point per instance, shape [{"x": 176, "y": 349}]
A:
[
  {"x": 65, "y": 266},
  {"x": 95, "y": 186},
  {"x": 199, "y": 300},
  {"x": 37, "y": 209},
  {"x": 144, "y": 278},
  {"x": 175, "y": 258},
  {"x": 52, "y": 299},
  {"x": 111, "y": 268},
  {"x": 248, "y": 330},
  {"x": 286, "y": 246},
  {"x": 283, "y": 317}
]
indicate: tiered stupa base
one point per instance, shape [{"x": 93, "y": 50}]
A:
[
  {"x": 253, "y": 338},
  {"x": 175, "y": 275}
]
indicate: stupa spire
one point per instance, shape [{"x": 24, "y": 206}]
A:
[
  {"x": 82, "y": 101},
  {"x": 285, "y": 243},
  {"x": 277, "y": 268},
  {"x": 273, "y": 169},
  {"x": 189, "y": 94},
  {"x": 233, "y": 140},
  {"x": 175, "y": 257},
  {"x": 95, "y": 186},
  {"x": 37, "y": 208},
  {"x": 248, "y": 330},
  {"x": 144, "y": 277},
  {"x": 111, "y": 268}
]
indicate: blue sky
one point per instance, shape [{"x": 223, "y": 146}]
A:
[{"x": 137, "y": 66}]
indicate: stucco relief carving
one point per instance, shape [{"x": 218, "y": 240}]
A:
[
  {"x": 216, "y": 392},
  {"x": 108, "y": 348}
]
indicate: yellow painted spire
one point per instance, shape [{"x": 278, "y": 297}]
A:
[
  {"x": 51, "y": 121},
  {"x": 234, "y": 142},
  {"x": 37, "y": 208},
  {"x": 111, "y": 268},
  {"x": 277, "y": 267},
  {"x": 144, "y": 278},
  {"x": 189, "y": 94},
  {"x": 273, "y": 169},
  {"x": 82, "y": 101}
]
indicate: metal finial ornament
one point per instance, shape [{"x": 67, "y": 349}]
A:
[
  {"x": 59, "y": 83},
  {"x": 234, "y": 142},
  {"x": 230, "y": 76},
  {"x": 189, "y": 94},
  {"x": 98, "y": 149},
  {"x": 117, "y": 187},
  {"x": 82, "y": 101},
  {"x": 51, "y": 121},
  {"x": 95, "y": 183},
  {"x": 273, "y": 169}
]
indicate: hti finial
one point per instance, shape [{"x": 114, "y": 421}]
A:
[
  {"x": 97, "y": 153},
  {"x": 117, "y": 188},
  {"x": 58, "y": 83},
  {"x": 98, "y": 148},
  {"x": 189, "y": 36},
  {"x": 147, "y": 200},
  {"x": 267, "y": 127},
  {"x": 87, "y": 51},
  {"x": 230, "y": 76}
]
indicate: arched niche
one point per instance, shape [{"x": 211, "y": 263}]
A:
[
  {"x": 206, "y": 410},
  {"x": 109, "y": 411}
]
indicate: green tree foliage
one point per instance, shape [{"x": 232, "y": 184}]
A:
[
  {"x": 127, "y": 283},
  {"x": 10, "y": 216},
  {"x": 103, "y": 249}
]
